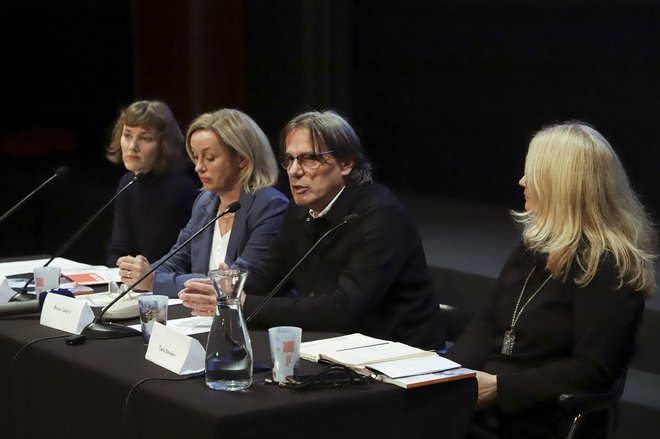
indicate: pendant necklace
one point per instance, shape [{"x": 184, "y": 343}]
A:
[{"x": 510, "y": 335}]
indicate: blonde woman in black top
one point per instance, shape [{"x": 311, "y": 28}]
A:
[{"x": 569, "y": 299}]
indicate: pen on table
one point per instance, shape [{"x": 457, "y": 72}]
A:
[{"x": 365, "y": 346}]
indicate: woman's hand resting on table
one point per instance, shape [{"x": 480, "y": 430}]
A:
[
  {"x": 487, "y": 389},
  {"x": 133, "y": 268}
]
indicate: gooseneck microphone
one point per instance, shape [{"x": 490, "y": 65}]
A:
[
  {"x": 60, "y": 172},
  {"x": 99, "y": 329},
  {"x": 347, "y": 219},
  {"x": 22, "y": 296}
]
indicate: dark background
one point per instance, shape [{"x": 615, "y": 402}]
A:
[{"x": 444, "y": 94}]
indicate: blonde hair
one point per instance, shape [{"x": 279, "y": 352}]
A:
[
  {"x": 153, "y": 115},
  {"x": 585, "y": 208},
  {"x": 240, "y": 133}
]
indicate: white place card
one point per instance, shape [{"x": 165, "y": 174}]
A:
[
  {"x": 6, "y": 292},
  {"x": 66, "y": 313},
  {"x": 175, "y": 352}
]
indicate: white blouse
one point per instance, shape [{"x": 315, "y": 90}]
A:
[{"x": 218, "y": 247}]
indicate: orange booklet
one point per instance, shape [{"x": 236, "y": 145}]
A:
[{"x": 88, "y": 278}]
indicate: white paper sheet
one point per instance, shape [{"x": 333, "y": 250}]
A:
[
  {"x": 414, "y": 366},
  {"x": 20, "y": 267},
  {"x": 187, "y": 325}
]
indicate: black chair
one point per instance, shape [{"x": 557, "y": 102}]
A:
[
  {"x": 593, "y": 415},
  {"x": 455, "y": 320}
]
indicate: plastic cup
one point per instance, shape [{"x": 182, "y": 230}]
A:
[
  {"x": 45, "y": 279},
  {"x": 284, "y": 351},
  {"x": 153, "y": 308}
]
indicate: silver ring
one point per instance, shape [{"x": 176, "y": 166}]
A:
[{"x": 129, "y": 275}]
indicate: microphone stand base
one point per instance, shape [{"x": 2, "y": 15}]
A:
[
  {"x": 105, "y": 330},
  {"x": 23, "y": 297}
]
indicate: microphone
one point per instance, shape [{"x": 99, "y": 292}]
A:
[
  {"x": 347, "y": 219},
  {"x": 99, "y": 329},
  {"x": 30, "y": 306},
  {"x": 19, "y": 308},
  {"x": 22, "y": 295},
  {"x": 60, "y": 172}
]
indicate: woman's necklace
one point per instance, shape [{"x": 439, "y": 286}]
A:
[
  {"x": 510, "y": 335},
  {"x": 225, "y": 222}
]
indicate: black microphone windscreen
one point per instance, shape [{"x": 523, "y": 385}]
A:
[
  {"x": 62, "y": 171},
  {"x": 60, "y": 291},
  {"x": 233, "y": 207},
  {"x": 30, "y": 306}
]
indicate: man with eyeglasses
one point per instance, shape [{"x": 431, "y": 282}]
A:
[{"x": 369, "y": 276}]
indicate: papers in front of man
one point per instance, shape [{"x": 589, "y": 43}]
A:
[{"x": 390, "y": 362}]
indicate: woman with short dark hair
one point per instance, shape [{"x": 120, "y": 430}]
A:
[{"x": 147, "y": 140}]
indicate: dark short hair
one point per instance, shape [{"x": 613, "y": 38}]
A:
[
  {"x": 154, "y": 115},
  {"x": 330, "y": 132}
]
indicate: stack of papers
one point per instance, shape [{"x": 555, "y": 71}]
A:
[
  {"x": 391, "y": 362},
  {"x": 357, "y": 350},
  {"x": 97, "y": 275},
  {"x": 187, "y": 325}
]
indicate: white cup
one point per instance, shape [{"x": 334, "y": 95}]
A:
[
  {"x": 46, "y": 278},
  {"x": 284, "y": 351}
]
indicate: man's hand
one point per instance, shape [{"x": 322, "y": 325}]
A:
[{"x": 199, "y": 295}]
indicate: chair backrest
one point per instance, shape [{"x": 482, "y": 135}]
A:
[
  {"x": 594, "y": 414},
  {"x": 455, "y": 319}
]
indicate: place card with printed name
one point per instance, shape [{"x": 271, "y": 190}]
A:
[
  {"x": 174, "y": 351},
  {"x": 66, "y": 313}
]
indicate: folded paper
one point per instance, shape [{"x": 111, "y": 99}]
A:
[
  {"x": 66, "y": 313},
  {"x": 174, "y": 351}
]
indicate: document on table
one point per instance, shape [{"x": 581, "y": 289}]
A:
[
  {"x": 426, "y": 379},
  {"x": 391, "y": 362},
  {"x": 22, "y": 267},
  {"x": 358, "y": 350},
  {"x": 188, "y": 325},
  {"x": 414, "y": 366},
  {"x": 93, "y": 275}
]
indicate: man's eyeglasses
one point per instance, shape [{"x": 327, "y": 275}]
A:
[{"x": 307, "y": 161}]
